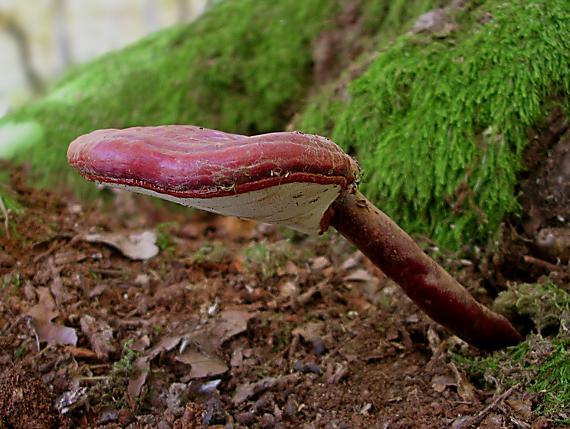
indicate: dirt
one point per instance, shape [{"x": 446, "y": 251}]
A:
[{"x": 230, "y": 325}]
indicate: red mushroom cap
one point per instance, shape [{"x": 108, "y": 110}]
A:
[{"x": 188, "y": 163}]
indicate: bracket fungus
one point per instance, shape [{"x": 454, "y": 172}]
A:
[{"x": 303, "y": 181}]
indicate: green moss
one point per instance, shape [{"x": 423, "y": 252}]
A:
[
  {"x": 390, "y": 18},
  {"x": 545, "y": 304},
  {"x": 266, "y": 259},
  {"x": 125, "y": 366},
  {"x": 164, "y": 236},
  {"x": 241, "y": 67},
  {"x": 539, "y": 364},
  {"x": 210, "y": 253},
  {"x": 439, "y": 124}
]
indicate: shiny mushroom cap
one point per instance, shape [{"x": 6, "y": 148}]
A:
[{"x": 286, "y": 178}]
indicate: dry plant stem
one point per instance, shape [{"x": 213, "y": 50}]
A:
[
  {"x": 4, "y": 211},
  {"x": 423, "y": 280}
]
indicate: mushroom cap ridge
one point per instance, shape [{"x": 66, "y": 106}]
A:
[{"x": 185, "y": 161}]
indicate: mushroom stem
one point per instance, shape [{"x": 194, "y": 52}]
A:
[{"x": 431, "y": 287}]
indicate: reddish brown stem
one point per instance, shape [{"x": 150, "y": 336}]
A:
[{"x": 424, "y": 281}]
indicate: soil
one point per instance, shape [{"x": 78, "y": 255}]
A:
[{"x": 232, "y": 324}]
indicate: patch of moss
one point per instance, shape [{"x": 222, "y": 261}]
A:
[
  {"x": 439, "y": 124},
  {"x": 241, "y": 67},
  {"x": 125, "y": 366},
  {"x": 545, "y": 304},
  {"x": 540, "y": 364},
  {"x": 266, "y": 259},
  {"x": 392, "y": 18},
  {"x": 163, "y": 236},
  {"x": 210, "y": 253}
]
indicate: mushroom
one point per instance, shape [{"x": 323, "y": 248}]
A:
[{"x": 303, "y": 181}]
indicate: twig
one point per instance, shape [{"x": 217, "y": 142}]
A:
[
  {"x": 4, "y": 211},
  {"x": 57, "y": 246},
  {"x": 94, "y": 378},
  {"x": 30, "y": 325},
  {"x": 543, "y": 264},
  {"x": 468, "y": 421}
]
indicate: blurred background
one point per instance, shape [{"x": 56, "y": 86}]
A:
[{"x": 40, "y": 39}]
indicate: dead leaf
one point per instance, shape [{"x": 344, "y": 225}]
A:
[
  {"x": 42, "y": 314},
  {"x": 80, "y": 352},
  {"x": 203, "y": 364},
  {"x": 341, "y": 371},
  {"x": 359, "y": 275},
  {"x": 441, "y": 382},
  {"x": 164, "y": 345},
  {"x": 247, "y": 390},
  {"x": 100, "y": 336},
  {"x": 288, "y": 289},
  {"x": 137, "y": 246},
  {"x": 320, "y": 262},
  {"x": 237, "y": 357},
  {"x": 138, "y": 379},
  {"x": 436, "y": 22},
  {"x": 219, "y": 329},
  {"x": 309, "y": 331},
  {"x": 351, "y": 262},
  {"x": 230, "y": 323},
  {"x": 71, "y": 398},
  {"x": 521, "y": 407},
  {"x": 464, "y": 388},
  {"x": 170, "y": 295}
]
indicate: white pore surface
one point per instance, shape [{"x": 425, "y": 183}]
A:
[{"x": 299, "y": 206}]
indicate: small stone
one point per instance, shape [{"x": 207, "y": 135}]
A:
[
  {"x": 245, "y": 418},
  {"x": 267, "y": 421},
  {"x": 162, "y": 425},
  {"x": 290, "y": 409},
  {"x": 142, "y": 280}
]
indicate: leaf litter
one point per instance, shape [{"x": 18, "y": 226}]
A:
[{"x": 145, "y": 337}]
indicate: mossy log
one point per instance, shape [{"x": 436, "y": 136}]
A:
[{"x": 440, "y": 121}]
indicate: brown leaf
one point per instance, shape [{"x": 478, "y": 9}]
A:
[
  {"x": 230, "y": 323},
  {"x": 203, "y": 364},
  {"x": 42, "y": 314},
  {"x": 225, "y": 325},
  {"x": 100, "y": 336},
  {"x": 521, "y": 407},
  {"x": 137, "y": 246},
  {"x": 164, "y": 345},
  {"x": 309, "y": 331},
  {"x": 170, "y": 295},
  {"x": 247, "y": 390},
  {"x": 80, "y": 352},
  {"x": 138, "y": 379},
  {"x": 359, "y": 275},
  {"x": 441, "y": 382},
  {"x": 464, "y": 388}
]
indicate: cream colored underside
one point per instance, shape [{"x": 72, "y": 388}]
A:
[{"x": 300, "y": 206}]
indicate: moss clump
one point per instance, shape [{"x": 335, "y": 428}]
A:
[
  {"x": 540, "y": 364},
  {"x": 439, "y": 124},
  {"x": 242, "y": 67},
  {"x": 210, "y": 253},
  {"x": 545, "y": 304},
  {"x": 266, "y": 259},
  {"x": 391, "y": 19}
]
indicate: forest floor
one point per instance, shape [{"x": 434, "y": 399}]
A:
[{"x": 124, "y": 314}]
